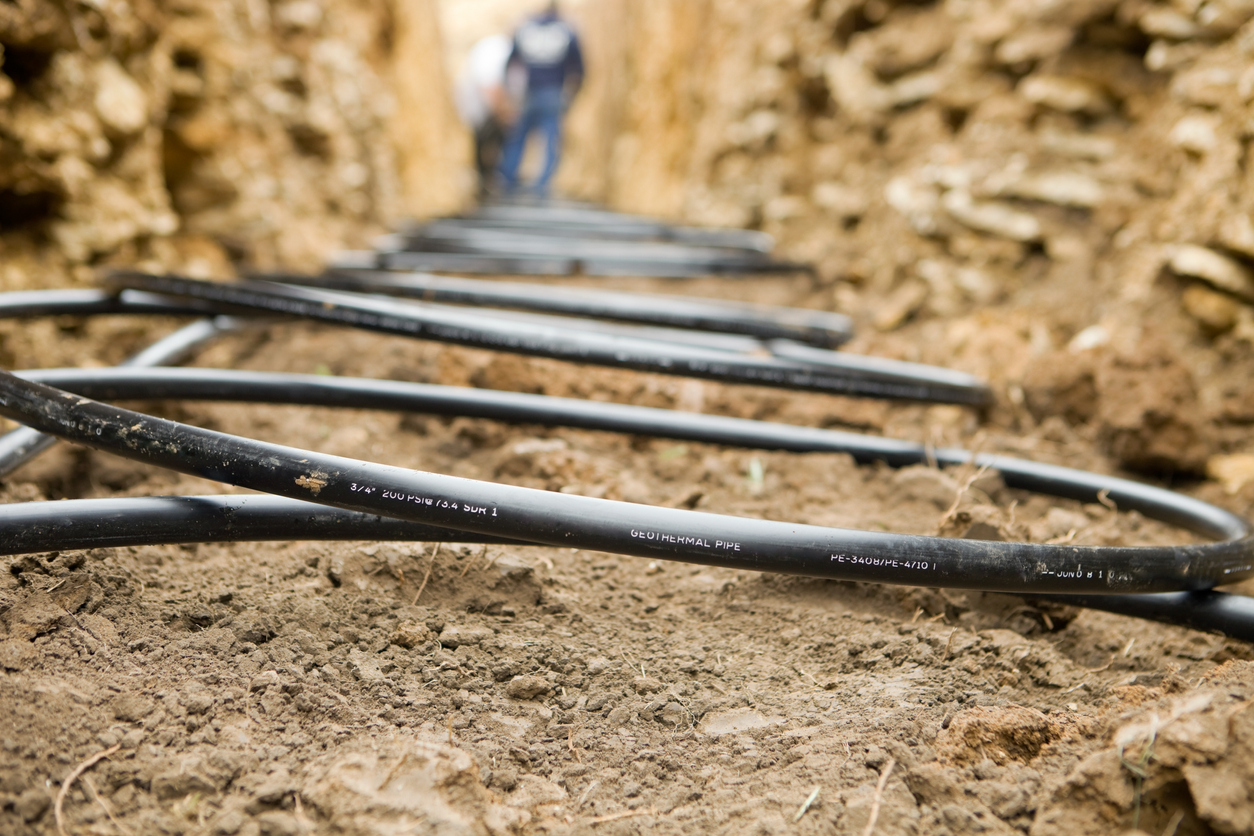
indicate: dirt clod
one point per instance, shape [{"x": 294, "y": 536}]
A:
[
  {"x": 527, "y": 687},
  {"x": 997, "y": 734},
  {"x": 16, "y": 654}
]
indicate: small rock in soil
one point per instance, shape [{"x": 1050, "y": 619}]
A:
[{"x": 527, "y": 687}]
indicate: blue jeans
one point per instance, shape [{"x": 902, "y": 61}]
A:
[{"x": 542, "y": 111}]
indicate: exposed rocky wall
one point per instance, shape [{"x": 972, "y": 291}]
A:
[
  {"x": 671, "y": 85},
  {"x": 433, "y": 148},
  {"x": 194, "y": 134},
  {"x": 739, "y": 104},
  {"x": 962, "y": 162}
]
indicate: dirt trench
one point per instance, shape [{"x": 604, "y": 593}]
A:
[{"x": 1048, "y": 195}]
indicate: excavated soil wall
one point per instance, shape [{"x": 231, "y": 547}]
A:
[
  {"x": 194, "y": 135},
  {"x": 937, "y": 160}
]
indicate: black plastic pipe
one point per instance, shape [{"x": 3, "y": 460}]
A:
[
  {"x": 96, "y": 523},
  {"x": 819, "y": 328},
  {"x": 559, "y": 264},
  {"x": 908, "y": 382},
  {"x": 30, "y": 527},
  {"x": 1222, "y": 612},
  {"x": 90, "y": 302},
  {"x": 138, "y": 521},
  {"x": 470, "y": 239},
  {"x": 562, "y": 520},
  {"x": 523, "y": 408},
  {"x": 597, "y": 220},
  {"x": 23, "y": 443},
  {"x": 611, "y": 229}
]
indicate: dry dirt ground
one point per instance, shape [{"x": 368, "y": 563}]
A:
[{"x": 392, "y": 688}]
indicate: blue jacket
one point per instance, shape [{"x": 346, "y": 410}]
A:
[{"x": 549, "y": 49}]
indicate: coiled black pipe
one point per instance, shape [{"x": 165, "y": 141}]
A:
[
  {"x": 89, "y": 302},
  {"x": 22, "y": 444},
  {"x": 581, "y": 522},
  {"x": 92, "y": 523},
  {"x": 613, "y": 229},
  {"x": 159, "y": 520},
  {"x": 902, "y": 381},
  {"x": 95, "y": 523},
  {"x": 819, "y": 328},
  {"x": 557, "y": 264},
  {"x": 522, "y": 408},
  {"x": 594, "y": 220},
  {"x": 460, "y": 238},
  {"x": 30, "y": 527},
  {"x": 604, "y": 246}
]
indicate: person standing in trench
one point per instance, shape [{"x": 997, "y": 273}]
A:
[
  {"x": 547, "y": 50},
  {"x": 484, "y": 103}
]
